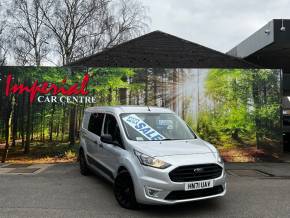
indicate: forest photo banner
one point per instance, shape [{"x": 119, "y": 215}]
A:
[{"x": 237, "y": 110}]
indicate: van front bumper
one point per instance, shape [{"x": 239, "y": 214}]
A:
[{"x": 159, "y": 189}]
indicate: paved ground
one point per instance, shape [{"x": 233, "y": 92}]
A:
[
  {"x": 60, "y": 191},
  {"x": 26, "y": 169}
]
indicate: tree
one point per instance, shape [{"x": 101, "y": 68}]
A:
[
  {"x": 31, "y": 35},
  {"x": 28, "y": 124},
  {"x": 82, "y": 27},
  {"x": 3, "y": 38},
  {"x": 3, "y": 54},
  {"x": 5, "y": 109},
  {"x": 125, "y": 19}
]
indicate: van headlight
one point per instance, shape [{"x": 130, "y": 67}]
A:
[{"x": 151, "y": 161}]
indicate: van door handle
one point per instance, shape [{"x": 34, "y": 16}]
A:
[
  {"x": 96, "y": 142},
  {"x": 101, "y": 145}
]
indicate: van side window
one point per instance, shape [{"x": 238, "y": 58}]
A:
[
  {"x": 111, "y": 127},
  {"x": 95, "y": 123}
]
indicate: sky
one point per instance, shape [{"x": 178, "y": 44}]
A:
[{"x": 217, "y": 24}]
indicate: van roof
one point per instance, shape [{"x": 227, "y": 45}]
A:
[{"x": 128, "y": 109}]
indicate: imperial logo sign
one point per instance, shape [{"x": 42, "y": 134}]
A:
[{"x": 49, "y": 92}]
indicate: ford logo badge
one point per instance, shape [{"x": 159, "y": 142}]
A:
[{"x": 197, "y": 170}]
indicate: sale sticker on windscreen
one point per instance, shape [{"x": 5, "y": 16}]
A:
[{"x": 143, "y": 128}]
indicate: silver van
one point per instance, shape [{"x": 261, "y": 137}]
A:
[{"x": 150, "y": 155}]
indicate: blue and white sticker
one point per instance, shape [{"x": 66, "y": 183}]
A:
[
  {"x": 168, "y": 124},
  {"x": 143, "y": 128},
  {"x": 165, "y": 122}
]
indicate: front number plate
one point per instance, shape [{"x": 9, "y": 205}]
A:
[{"x": 198, "y": 185}]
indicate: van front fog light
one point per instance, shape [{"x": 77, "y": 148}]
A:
[{"x": 152, "y": 192}]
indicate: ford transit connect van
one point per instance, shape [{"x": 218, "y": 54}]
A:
[{"x": 150, "y": 155}]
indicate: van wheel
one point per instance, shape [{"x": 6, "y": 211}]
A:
[
  {"x": 84, "y": 169},
  {"x": 124, "y": 191}
]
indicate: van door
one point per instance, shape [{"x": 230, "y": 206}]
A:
[
  {"x": 93, "y": 136},
  {"x": 111, "y": 153}
]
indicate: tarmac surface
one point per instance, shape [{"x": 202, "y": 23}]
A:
[{"x": 60, "y": 191}]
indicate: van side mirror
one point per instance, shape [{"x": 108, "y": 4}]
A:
[{"x": 107, "y": 138}]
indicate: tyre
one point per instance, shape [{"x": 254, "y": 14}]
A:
[
  {"x": 84, "y": 169},
  {"x": 124, "y": 191}
]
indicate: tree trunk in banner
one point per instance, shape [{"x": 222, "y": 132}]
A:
[
  {"x": 1, "y": 100},
  {"x": 174, "y": 89},
  {"x": 130, "y": 97},
  {"x": 51, "y": 122},
  {"x": 146, "y": 86},
  {"x": 77, "y": 123},
  {"x": 110, "y": 96},
  {"x": 123, "y": 96},
  {"x": 41, "y": 124},
  {"x": 163, "y": 90},
  {"x": 72, "y": 125},
  {"x": 28, "y": 127},
  {"x": 32, "y": 124},
  {"x": 57, "y": 129},
  {"x": 63, "y": 123},
  {"x": 257, "y": 105},
  {"x": 7, "y": 127},
  {"x": 22, "y": 121},
  {"x": 15, "y": 121},
  {"x": 2, "y": 114},
  {"x": 82, "y": 109},
  {"x": 155, "y": 89}
]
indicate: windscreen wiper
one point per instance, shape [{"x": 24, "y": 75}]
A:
[{"x": 167, "y": 139}]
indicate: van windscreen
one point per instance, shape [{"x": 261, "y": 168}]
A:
[{"x": 155, "y": 127}]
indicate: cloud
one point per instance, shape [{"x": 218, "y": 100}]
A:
[{"x": 216, "y": 24}]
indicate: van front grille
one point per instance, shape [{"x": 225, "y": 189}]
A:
[{"x": 195, "y": 172}]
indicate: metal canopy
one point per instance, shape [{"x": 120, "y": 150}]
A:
[
  {"x": 268, "y": 47},
  {"x": 161, "y": 50}
]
